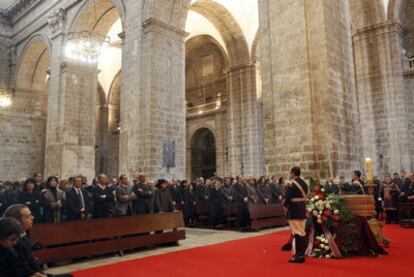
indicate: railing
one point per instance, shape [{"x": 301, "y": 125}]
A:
[{"x": 206, "y": 108}]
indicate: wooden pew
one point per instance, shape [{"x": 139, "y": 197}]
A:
[
  {"x": 264, "y": 216},
  {"x": 404, "y": 210},
  {"x": 76, "y": 239},
  {"x": 203, "y": 214}
]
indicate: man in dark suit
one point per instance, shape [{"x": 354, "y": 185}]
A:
[
  {"x": 23, "y": 248},
  {"x": 175, "y": 192},
  {"x": 405, "y": 185},
  {"x": 241, "y": 197},
  {"x": 77, "y": 201},
  {"x": 103, "y": 198},
  {"x": 295, "y": 203},
  {"x": 331, "y": 187},
  {"x": 144, "y": 203}
]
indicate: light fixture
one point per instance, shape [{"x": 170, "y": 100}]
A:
[
  {"x": 5, "y": 98},
  {"x": 86, "y": 46},
  {"x": 200, "y": 112}
]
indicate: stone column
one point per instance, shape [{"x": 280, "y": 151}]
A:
[
  {"x": 383, "y": 100},
  {"x": 309, "y": 96},
  {"x": 244, "y": 141},
  {"x": 152, "y": 136},
  {"x": 70, "y": 141}
]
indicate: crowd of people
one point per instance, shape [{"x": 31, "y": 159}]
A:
[
  {"x": 54, "y": 200},
  {"x": 35, "y": 200}
]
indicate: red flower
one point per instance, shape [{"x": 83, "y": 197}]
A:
[
  {"x": 336, "y": 217},
  {"x": 307, "y": 214},
  {"x": 317, "y": 242},
  {"x": 324, "y": 218},
  {"x": 314, "y": 193},
  {"x": 335, "y": 224},
  {"x": 317, "y": 187},
  {"x": 322, "y": 196},
  {"x": 328, "y": 212}
]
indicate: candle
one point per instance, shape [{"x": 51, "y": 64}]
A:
[{"x": 368, "y": 168}]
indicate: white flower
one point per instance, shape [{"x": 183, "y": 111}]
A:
[
  {"x": 336, "y": 212},
  {"x": 313, "y": 199},
  {"x": 315, "y": 213},
  {"x": 327, "y": 256},
  {"x": 320, "y": 207},
  {"x": 327, "y": 248},
  {"x": 328, "y": 206},
  {"x": 323, "y": 190},
  {"x": 319, "y": 216},
  {"x": 316, "y": 197},
  {"x": 320, "y": 212},
  {"x": 322, "y": 245}
]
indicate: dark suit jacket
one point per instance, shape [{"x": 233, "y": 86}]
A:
[
  {"x": 10, "y": 264},
  {"x": 331, "y": 189},
  {"x": 73, "y": 204},
  {"x": 103, "y": 202},
  {"x": 27, "y": 262}
]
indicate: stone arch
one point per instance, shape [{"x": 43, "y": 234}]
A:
[
  {"x": 256, "y": 47},
  {"x": 196, "y": 41},
  {"x": 173, "y": 13},
  {"x": 30, "y": 60},
  {"x": 229, "y": 29},
  {"x": 203, "y": 153},
  {"x": 105, "y": 11},
  {"x": 31, "y": 102}
]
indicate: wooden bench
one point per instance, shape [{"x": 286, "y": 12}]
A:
[
  {"x": 264, "y": 216},
  {"x": 203, "y": 214},
  {"x": 404, "y": 209},
  {"x": 76, "y": 239}
]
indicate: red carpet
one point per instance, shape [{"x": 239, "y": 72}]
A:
[{"x": 261, "y": 256}]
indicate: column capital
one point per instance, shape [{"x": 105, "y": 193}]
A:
[{"x": 152, "y": 24}]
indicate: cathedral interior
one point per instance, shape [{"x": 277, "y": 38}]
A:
[{"x": 183, "y": 89}]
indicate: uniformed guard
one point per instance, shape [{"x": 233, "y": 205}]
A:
[{"x": 295, "y": 204}]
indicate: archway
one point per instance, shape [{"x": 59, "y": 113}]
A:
[
  {"x": 25, "y": 149},
  {"x": 104, "y": 17},
  {"x": 203, "y": 154}
]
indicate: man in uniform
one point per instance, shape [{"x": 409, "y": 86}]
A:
[{"x": 295, "y": 204}]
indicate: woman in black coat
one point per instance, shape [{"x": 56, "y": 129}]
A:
[
  {"x": 31, "y": 197},
  {"x": 216, "y": 204},
  {"x": 190, "y": 204}
]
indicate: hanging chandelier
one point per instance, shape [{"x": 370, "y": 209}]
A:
[
  {"x": 86, "y": 46},
  {"x": 5, "y": 98}
]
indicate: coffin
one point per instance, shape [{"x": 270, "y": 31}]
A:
[{"x": 360, "y": 205}]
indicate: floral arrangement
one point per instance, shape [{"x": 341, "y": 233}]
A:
[
  {"x": 321, "y": 248},
  {"x": 326, "y": 214}
]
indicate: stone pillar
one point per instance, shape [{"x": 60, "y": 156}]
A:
[
  {"x": 70, "y": 141},
  {"x": 309, "y": 97},
  {"x": 244, "y": 142},
  {"x": 102, "y": 133},
  {"x": 383, "y": 101},
  {"x": 152, "y": 136}
]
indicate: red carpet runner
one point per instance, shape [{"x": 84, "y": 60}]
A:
[{"x": 261, "y": 256}]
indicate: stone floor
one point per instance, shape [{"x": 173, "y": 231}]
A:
[{"x": 194, "y": 238}]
